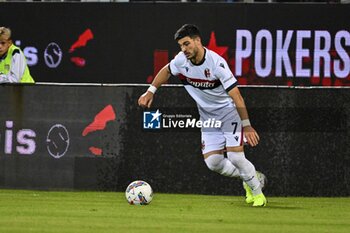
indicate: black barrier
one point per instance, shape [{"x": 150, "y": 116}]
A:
[
  {"x": 52, "y": 136},
  {"x": 94, "y": 138},
  {"x": 264, "y": 44}
]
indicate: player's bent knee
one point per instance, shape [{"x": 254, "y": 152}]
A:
[
  {"x": 218, "y": 163},
  {"x": 246, "y": 168},
  {"x": 236, "y": 158},
  {"x": 214, "y": 161}
]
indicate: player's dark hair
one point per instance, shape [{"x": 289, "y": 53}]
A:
[{"x": 190, "y": 30}]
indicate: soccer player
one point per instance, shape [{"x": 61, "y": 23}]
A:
[{"x": 208, "y": 79}]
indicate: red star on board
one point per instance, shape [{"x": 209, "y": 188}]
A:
[{"x": 221, "y": 50}]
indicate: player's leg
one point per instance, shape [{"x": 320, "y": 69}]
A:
[
  {"x": 249, "y": 194},
  {"x": 233, "y": 134},
  {"x": 212, "y": 149},
  {"x": 248, "y": 174}
]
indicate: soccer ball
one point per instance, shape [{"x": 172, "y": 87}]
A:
[{"x": 139, "y": 193}]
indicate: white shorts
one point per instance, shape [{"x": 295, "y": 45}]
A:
[{"x": 231, "y": 135}]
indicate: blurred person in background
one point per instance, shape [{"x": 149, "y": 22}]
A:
[{"x": 13, "y": 64}]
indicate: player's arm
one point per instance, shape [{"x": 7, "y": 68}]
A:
[
  {"x": 249, "y": 132},
  {"x": 162, "y": 77},
  {"x": 229, "y": 82}
]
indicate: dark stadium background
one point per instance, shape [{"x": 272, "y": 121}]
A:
[{"x": 97, "y": 49}]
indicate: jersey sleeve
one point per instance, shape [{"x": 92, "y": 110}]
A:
[
  {"x": 224, "y": 74},
  {"x": 178, "y": 61}
]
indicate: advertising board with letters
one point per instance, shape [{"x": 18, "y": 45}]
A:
[{"x": 129, "y": 43}]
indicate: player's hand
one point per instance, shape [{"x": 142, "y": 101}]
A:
[
  {"x": 251, "y": 135},
  {"x": 146, "y": 100}
]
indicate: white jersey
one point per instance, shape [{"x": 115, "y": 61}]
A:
[{"x": 208, "y": 83}]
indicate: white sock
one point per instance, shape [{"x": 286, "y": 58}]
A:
[
  {"x": 246, "y": 170},
  {"x": 218, "y": 163}
]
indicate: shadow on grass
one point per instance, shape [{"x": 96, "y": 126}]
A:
[{"x": 274, "y": 205}]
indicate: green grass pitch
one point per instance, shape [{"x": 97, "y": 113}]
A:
[{"x": 41, "y": 211}]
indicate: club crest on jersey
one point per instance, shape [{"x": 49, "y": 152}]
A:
[{"x": 207, "y": 73}]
